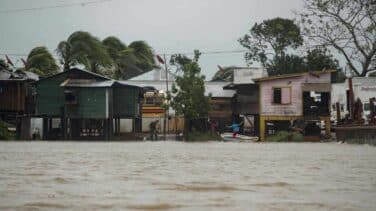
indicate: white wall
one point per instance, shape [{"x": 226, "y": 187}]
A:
[
  {"x": 36, "y": 125},
  {"x": 364, "y": 89}
]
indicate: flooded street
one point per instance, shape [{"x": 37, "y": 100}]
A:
[{"x": 186, "y": 176}]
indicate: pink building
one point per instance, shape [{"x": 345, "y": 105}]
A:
[{"x": 295, "y": 100}]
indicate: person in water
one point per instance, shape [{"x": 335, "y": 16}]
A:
[
  {"x": 235, "y": 129},
  {"x": 154, "y": 126}
]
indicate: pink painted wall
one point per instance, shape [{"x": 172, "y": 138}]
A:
[{"x": 295, "y": 107}]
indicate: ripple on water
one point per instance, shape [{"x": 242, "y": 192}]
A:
[
  {"x": 203, "y": 188},
  {"x": 158, "y": 206},
  {"x": 61, "y": 180},
  {"x": 272, "y": 184},
  {"x": 45, "y": 205}
]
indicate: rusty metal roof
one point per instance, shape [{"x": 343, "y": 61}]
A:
[
  {"x": 292, "y": 75},
  {"x": 19, "y": 75}
]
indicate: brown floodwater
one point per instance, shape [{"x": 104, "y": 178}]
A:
[{"x": 186, "y": 176}]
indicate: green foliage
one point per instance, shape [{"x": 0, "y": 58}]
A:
[
  {"x": 128, "y": 61},
  {"x": 322, "y": 59},
  {"x": 316, "y": 59},
  {"x": 196, "y": 136},
  {"x": 189, "y": 90},
  {"x": 270, "y": 39},
  {"x": 41, "y": 62},
  {"x": 347, "y": 26},
  {"x": 284, "y": 136},
  {"x": 85, "y": 49},
  {"x": 269, "y": 42},
  {"x": 4, "y": 133},
  {"x": 286, "y": 64}
]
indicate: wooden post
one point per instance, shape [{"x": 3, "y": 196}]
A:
[
  {"x": 372, "y": 108},
  {"x": 262, "y": 128},
  {"x": 351, "y": 100},
  {"x": 338, "y": 111},
  {"x": 45, "y": 129},
  {"x": 166, "y": 110}
]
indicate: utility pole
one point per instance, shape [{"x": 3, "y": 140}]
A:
[{"x": 166, "y": 110}]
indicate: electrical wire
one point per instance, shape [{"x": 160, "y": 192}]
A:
[
  {"x": 83, "y": 3},
  {"x": 159, "y": 53}
]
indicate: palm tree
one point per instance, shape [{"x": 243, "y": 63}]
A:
[
  {"x": 85, "y": 49},
  {"x": 41, "y": 62},
  {"x": 129, "y": 61}
]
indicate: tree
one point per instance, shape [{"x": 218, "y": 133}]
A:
[
  {"x": 349, "y": 26},
  {"x": 41, "y": 62},
  {"x": 322, "y": 59},
  {"x": 189, "y": 90},
  {"x": 85, "y": 49},
  {"x": 286, "y": 64},
  {"x": 270, "y": 40},
  {"x": 128, "y": 61},
  {"x": 314, "y": 60}
]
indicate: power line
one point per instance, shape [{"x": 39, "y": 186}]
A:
[
  {"x": 159, "y": 53},
  {"x": 83, "y": 3},
  {"x": 206, "y": 52}
]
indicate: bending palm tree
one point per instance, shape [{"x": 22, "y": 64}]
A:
[
  {"x": 129, "y": 61},
  {"x": 85, "y": 49},
  {"x": 41, "y": 62}
]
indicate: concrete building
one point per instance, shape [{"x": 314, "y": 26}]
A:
[{"x": 364, "y": 88}]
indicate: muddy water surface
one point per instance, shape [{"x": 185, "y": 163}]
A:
[{"x": 186, "y": 176}]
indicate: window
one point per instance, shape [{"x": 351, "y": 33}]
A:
[
  {"x": 282, "y": 95},
  {"x": 70, "y": 97},
  {"x": 149, "y": 100},
  {"x": 277, "y": 95}
]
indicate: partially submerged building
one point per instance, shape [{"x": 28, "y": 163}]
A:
[
  {"x": 78, "y": 104},
  {"x": 245, "y": 103},
  {"x": 300, "y": 100},
  {"x": 221, "y": 103}
]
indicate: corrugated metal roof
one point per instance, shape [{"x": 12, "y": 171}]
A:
[
  {"x": 92, "y": 83},
  {"x": 86, "y": 83},
  {"x": 18, "y": 75},
  {"x": 79, "y": 70}
]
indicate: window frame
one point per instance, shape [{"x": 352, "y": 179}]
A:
[{"x": 281, "y": 88}]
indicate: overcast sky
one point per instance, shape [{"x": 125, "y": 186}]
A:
[{"x": 169, "y": 26}]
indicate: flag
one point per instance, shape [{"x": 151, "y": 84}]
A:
[
  {"x": 23, "y": 61},
  {"x": 160, "y": 60},
  {"x": 8, "y": 60}
]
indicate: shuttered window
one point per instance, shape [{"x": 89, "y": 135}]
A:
[
  {"x": 282, "y": 95},
  {"x": 286, "y": 95}
]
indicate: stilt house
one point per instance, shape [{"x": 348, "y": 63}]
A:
[
  {"x": 300, "y": 100},
  {"x": 78, "y": 104}
]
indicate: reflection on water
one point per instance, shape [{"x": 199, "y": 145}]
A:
[{"x": 186, "y": 176}]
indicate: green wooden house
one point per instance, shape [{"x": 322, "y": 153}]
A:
[{"x": 78, "y": 104}]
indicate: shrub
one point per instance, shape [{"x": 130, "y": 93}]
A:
[
  {"x": 4, "y": 133},
  {"x": 284, "y": 136}
]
